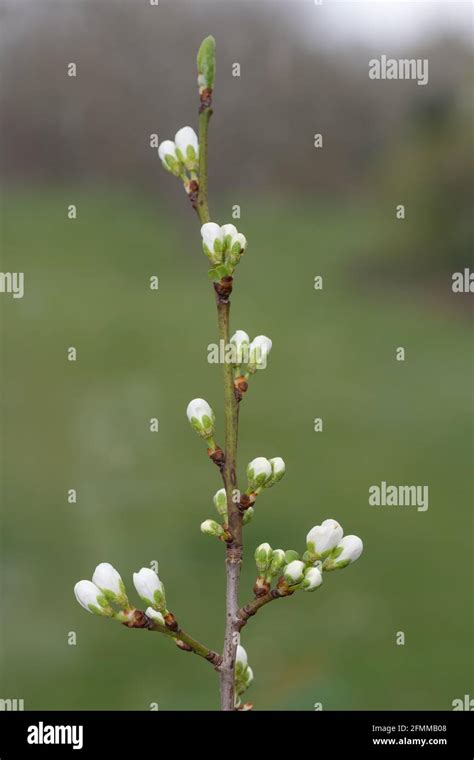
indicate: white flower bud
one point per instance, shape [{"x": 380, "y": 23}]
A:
[
  {"x": 110, "y": 583},
  {"x": 263, "y": 557},
  {"x": 278, "y": 560},
  {"x": 187, "y": 147},
  {"x": 248, "y": 515},
  {"x": 156, "y": 616},
  {"x": 212, "y": 528},
  {"x": 229, "y": 231},
  {"x": 238, "y": 244},
  {"x": 212, "y": 241},
  {"x": 259, "y": 472},
  {"x": 294, "y": 572},
  {"x": 346, "y": 552},
  {"x": 312, "y": 579},
  {"x": 278, "y": 470},
  {"x": 150, "y": 589},
  {"x": 322, "y": 539},
  {"x": 240, "y": 342},
  {"x": 201, "y": 417},
  {"x": 241, "y": 660},
  {"x": 92, "y": 599},
  {"x": 169, "y": 157},
  {"x": 259, "y": 349},
  {"x": 167, "y": 148},
  {"x": 220, "y": 502}
]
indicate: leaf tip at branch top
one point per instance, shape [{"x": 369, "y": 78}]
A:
[{"x": 206, "y": 64}]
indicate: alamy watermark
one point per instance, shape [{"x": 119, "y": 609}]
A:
[
  {"x": 13, "y": 283},
  {"x": 46, "y": 734},
  {"x": 399, "y": 68},
  {"x": 230, "y": 353},
  {"x": 399, "y": 496}
]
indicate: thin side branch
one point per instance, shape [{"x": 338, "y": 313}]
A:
[
  {"x": 138, "y": 619},
  {"x": 251, "y": 609}
]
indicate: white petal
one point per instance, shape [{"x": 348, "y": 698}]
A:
[
  {"x": 106, "y": 577},
  {"x": 260, "y": 465},
  {"x": 167, "y": 148},
  {"x": 199, "y": 408},
  {"x": 87, "y": 593},
  {"x": 155, "y": 615},
  {"x": 184, "y": 137},
  {"x": 229, "y": 229},
  {"x": 210, "y": 233},
  {"x": 241, "y": 656},
  {"x": 352, "y": 547}
]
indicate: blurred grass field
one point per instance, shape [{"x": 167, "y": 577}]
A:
[{"x": 142, "y": 496}]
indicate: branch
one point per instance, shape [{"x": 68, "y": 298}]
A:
[
  {"x": 251, "y": 609},
  {"x": 138, "y": 619},
  {"x": 233, "y": 548},
  {"x": 202, "y": 202}
]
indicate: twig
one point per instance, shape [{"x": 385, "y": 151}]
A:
[
  {"x": 138, "y": 619},
  {"x": 250, "y": 609},
  {"x": 234, "y": 548}
]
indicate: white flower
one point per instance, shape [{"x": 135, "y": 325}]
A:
[
  {"x": 220, "y": 502},
  {"x": 263, "y": 556},
  {"x": 187, "y": 147},
  {"x": 212, "y": 241},
  {"x": 156, "y": 616},
  {"x": 238, "y": 244},
  {"x": 312, "y": 579},
  {"x": 150, "y": 589},
  {"x": 350, "y": 549},
  {"x": 169, "y": 157},
  {"x": 229, "y": 231},
  {"x": 212, "y": 528},
  {"x": 240, "y": 341},
  {"x": 201, "y": 417},
  {"x": 259, "y": 472},
  {"x": 259, "y": 349},
  {"x": 167, "y": 148},
  {"x": 323, "y": 538},
  {"x": 110, "y": 583},
  {"x": 278, "y": 470},
  {"x": 294, "y": 572},
  {"x": 92, "y": 599}
]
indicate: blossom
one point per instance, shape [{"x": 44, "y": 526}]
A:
[
  {"x": 259, "y": 349},
  {"x": 92, "y": 599},
  {"x": 201, "y": 417},
  {"x": 323, "y": 538},
  {"x": 108, "y": 580},
  {"x": 259, "y": 472},
  {"x": 150, "y": 589}
]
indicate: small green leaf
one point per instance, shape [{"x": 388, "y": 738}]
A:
[
  {"x": 206, "y": 63},
  {"x": 218, "y": 272}
]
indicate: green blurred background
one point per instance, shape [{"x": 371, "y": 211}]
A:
[{"x": 143, "y": 354}]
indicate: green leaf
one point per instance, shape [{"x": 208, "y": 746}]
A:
[
  {"x": 206, "y": 63},
  {"x": 218, "y": 272}
]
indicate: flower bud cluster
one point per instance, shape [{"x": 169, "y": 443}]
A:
[
  {"x": 106, "y": 592},
  {"x": 327, "y": 549},
  {"x": 224, "y": 247}
]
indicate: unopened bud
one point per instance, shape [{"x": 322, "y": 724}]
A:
[{"x": 263, "y": 557}]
